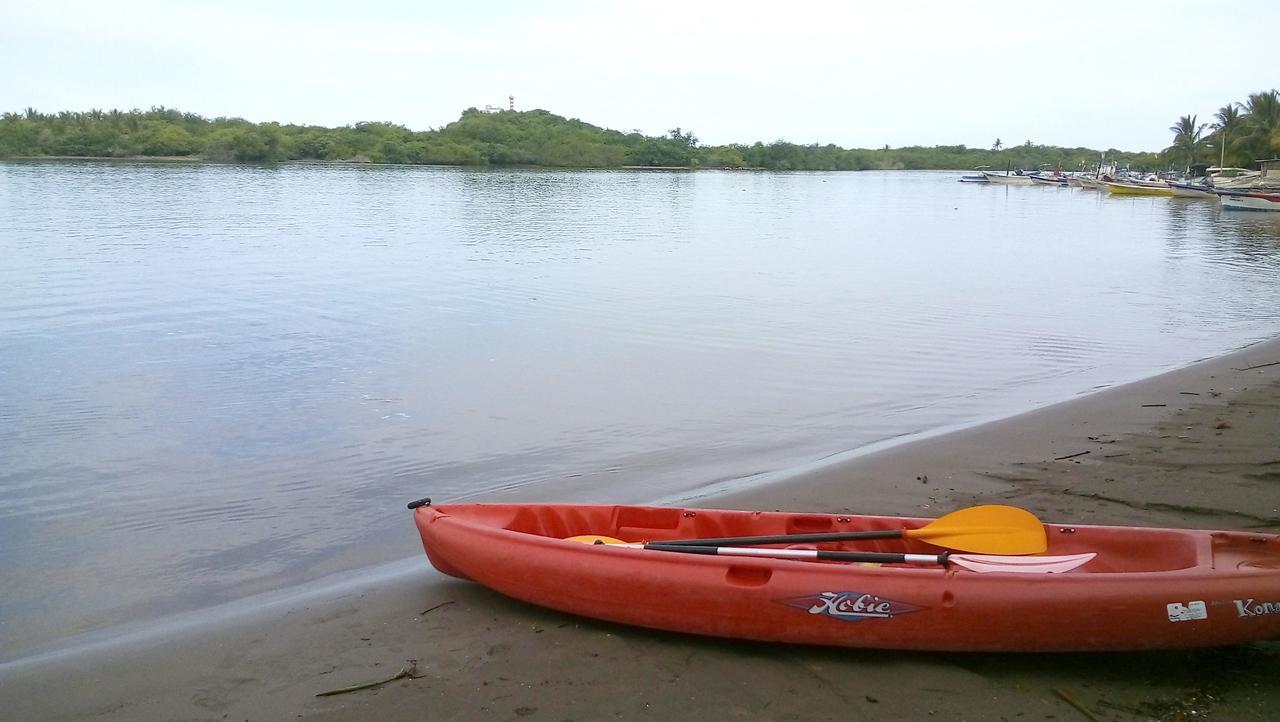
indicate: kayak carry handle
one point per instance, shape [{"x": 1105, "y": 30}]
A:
[{"x": 424, "y": 501}]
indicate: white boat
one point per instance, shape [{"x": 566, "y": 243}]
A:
[
  {"x": 1092, "y": 184},
  {"x": 1006, "y": 178},
  {"x": 1250, "y": 201},
  {"x": 1234, "y": 177}
]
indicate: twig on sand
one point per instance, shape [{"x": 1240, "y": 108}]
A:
[
  {"x": 1121, "y": 707},
  {"x": 1153, "y": 406},
  {"x": 432, "y": 609},
  {"x": 1066, "y": 697},
  {"x": 1259, "y": 366},
  {"x": 1070, "y": 456},
  {"x": 409, "y": 671}
]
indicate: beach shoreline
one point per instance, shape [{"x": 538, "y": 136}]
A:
[{"x": 1194, "y": 447}]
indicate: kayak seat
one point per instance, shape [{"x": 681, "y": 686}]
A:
[{"x": 1158, "y": 550}]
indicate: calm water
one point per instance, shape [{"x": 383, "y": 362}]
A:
[{"x": 219, "y": 380}]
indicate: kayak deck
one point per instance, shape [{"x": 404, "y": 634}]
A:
[
  {"x": 1145, "y": 588},
  {"x": 1137, "y": 550}
]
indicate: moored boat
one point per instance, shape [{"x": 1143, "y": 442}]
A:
[
  {"x": 1192, "y": 190},
  {"x": 1234, "y": 178},
  {"x": 1250, "y": 201},
  {"x": 976, "y": 178},
  {"x": 1050, "y": 180},
  {"x": 1094, "y": 184},
  {"x": 1012, "y": 179},
  {"x": 1127, "y": 588},
  {"x": 1133, "y": 188}
]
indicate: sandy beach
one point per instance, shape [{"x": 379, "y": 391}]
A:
[{"x": 1196, "y": 447}]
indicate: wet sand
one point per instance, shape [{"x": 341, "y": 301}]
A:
[{"x": 1197, "y": 447}]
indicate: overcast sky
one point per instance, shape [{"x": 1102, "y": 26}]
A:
[{"x": 1078, "y": 73}]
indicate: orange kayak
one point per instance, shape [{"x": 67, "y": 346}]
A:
[{"x": 1128, "y": 588}]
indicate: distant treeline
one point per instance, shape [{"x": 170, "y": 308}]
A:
[{"x": 480, "y": 138}]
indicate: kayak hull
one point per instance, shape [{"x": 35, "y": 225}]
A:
[{"x": 1146, "y": 589}]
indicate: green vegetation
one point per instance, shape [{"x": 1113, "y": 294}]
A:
[
  {"x": 1186, "y": 137},
  {"x": 540, "y": 138},
  {"x": 503, "y": 138},
  {"x": 1242, "y": 133}
]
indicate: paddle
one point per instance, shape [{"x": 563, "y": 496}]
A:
[
  {"x": 987, "y": 529},
  {"x": 983, "y": 563}
]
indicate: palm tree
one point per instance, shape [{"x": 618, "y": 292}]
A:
[
  {"x": 1186, "y": 136},
  {"x": 1261, "y": 124},
  {"x": 1228, "y": 121},
  {"x": 997, "y": 145}
]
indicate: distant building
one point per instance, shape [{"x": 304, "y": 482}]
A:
[{"x": 511, "y": 105}]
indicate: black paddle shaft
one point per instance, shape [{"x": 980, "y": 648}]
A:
[
  {"x": 830, "y": 536},
  {"x": 870, "y": 557}
]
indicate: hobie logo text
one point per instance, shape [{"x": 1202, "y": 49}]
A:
[{"x": 851, "y": 606}]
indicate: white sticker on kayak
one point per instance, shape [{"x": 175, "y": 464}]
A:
[{"x": 1189, "y": 612}]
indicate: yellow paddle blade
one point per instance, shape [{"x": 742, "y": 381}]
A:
[
  {"x": 988, "y": 529},
  {"x": 595, "y": 539}
]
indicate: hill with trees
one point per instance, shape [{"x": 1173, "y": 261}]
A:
[{"x": 541, "y": 138}]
